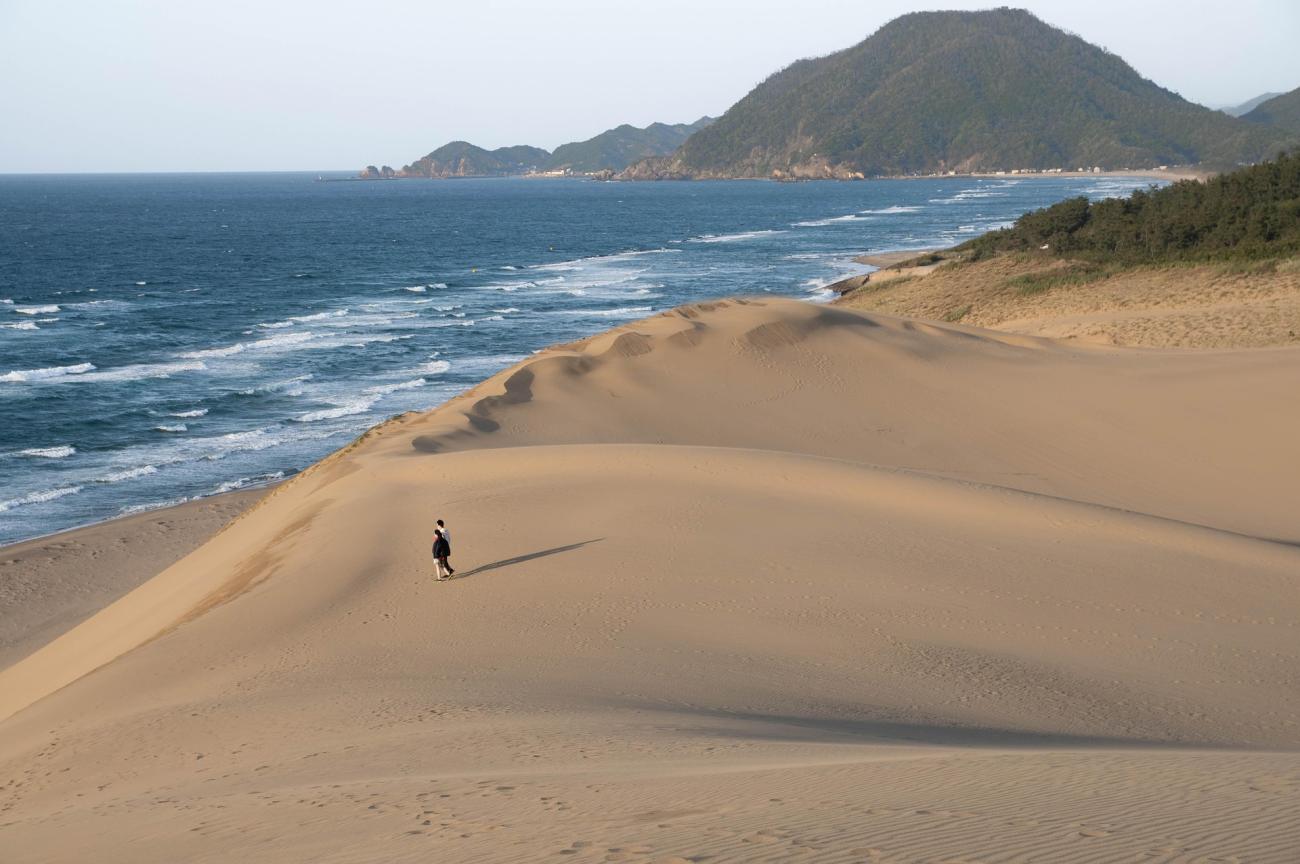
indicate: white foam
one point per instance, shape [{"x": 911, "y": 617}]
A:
[
  {"x": 435, "y": 367},
  {"x": 416, "y": 289},
  {"x": 197, "y": 412},
  {"x": 156, "y": 505},
  {"x": 48, "y": 373},
  {"x": 383, "y": 389},
  {"x": 142, "y": 371},
  {"x": 886, "y": 211},
  {"x": 63, "y": 451},
  {"x": 304, "y": 319},
  {"x": 142, "y": 283},
  {"x": 21, "y": 325},
  {"x": 38, "y": 497},
  {"x": 494, "y": 318},
  {"x": 507, "y": 310},
  {"x": 237, "y": 348},
  {"x": 47, "y": 309},
  {"x": 176, "y": 427},
  {"x": 129, "y": 474},
  {"x": 276, "y": 386},
  {"x": 625, "y": 311},
  {"x": 819, "y": 223},
  {"x": 222, "y": 446},
  {"x": 271, "y": 343},
  {"x": 734, "y": 238},
  {"x": 347, "y": 409},
  {"x": 242, "y": 482},
  {"x": 6, "y": 301}
]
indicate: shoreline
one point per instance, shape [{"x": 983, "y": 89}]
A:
[{"x": 52, "y": 582}]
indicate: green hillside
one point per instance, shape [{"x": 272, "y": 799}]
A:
[
  {"x": 462, "y": 159},
  {"x": 615, "y": 149},
  {"x": 612, "y": 150},
  {"x": 1250, "y": 213},
  {"x": 961, "y": 91},
  {"x": 1249, "y": 105},
  {"x": 1282, "y": 111}
]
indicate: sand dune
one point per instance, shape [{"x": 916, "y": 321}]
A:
[{"x": 746, "y": 581}]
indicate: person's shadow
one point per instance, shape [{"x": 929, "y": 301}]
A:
[{"x": 519, "y": 559}]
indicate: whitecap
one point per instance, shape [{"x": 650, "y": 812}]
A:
[
  {"x": 625, "y": 311},
  {"x": 176, "y": 427},
  {"x": 227, "y": 351},
  {"x": 493, "y": 318},
  {"x": 129, "y": 474},
  {"x": 320, "y": 316},
  {"x": 235, "y": 442},
  {"x": 734, "y": 238},
  {"x": 831, "y": 220},
  {"x": 47, "y": 309},
  {"x": 197, "y": 412},
  {"x": 416, "y": 289},
  {"x": 384, "y": 389},
  {"x": 435, "y": 367},
  {"x": 507, "y": 310},
  {"x": 886, "y": 211},
  {"x": 144, "y": 508},
  {"x": 243, "y": 482},
  {"x": 50, "y": 372},
  {"x": 62, "y": 451},
  {"x": 141, "y": 371},
  {"x": 21, "y": 325},
  {"x": 347, "y": 409},
  {"x": 38, "y": 497}
]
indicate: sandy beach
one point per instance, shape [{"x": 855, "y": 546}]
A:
[{"x": 753, "y": 580}]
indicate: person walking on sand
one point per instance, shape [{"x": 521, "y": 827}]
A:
[
  {"x": 446, "y": 535},
  {"x": 441, "y": 549}
]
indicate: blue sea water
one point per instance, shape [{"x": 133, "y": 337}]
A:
[{"x": 164, "y": 337}]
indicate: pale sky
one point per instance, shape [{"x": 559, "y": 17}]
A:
[{"x": 196, "y": 85}]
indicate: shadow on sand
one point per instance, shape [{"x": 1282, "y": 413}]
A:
[{"x": 520, "y": 559}]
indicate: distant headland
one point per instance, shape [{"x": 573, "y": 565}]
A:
[{"x": 928, "y": 94}]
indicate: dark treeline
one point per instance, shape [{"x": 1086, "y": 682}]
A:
[{"x": 1250, "y": 213}]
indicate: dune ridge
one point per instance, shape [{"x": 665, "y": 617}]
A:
[{"x": 748, "y": 580}]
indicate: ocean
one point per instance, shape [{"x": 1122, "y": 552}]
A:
[{"x": 166, "y": 337}]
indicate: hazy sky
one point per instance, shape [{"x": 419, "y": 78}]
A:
[{"x": 173, "y": 85}]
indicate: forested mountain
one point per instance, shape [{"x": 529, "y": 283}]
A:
[
  {"x": 612, "y": 150},
  {"x": 1282, "y": 111},
  {"x": 1249, "y": 105},
  {"x": 963, "y": 91},
  {"x": 462, "y": 159},
  {"x": 1250, "y": 213},
  {"x": 615, "y": 149}
]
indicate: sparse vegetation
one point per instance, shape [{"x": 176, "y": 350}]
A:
[
  {"x": 957, "y": 314},
  {"x": 1058, "y": 277}
]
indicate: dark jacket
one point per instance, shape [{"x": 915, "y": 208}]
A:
[{"x": 441, "y": 548}]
